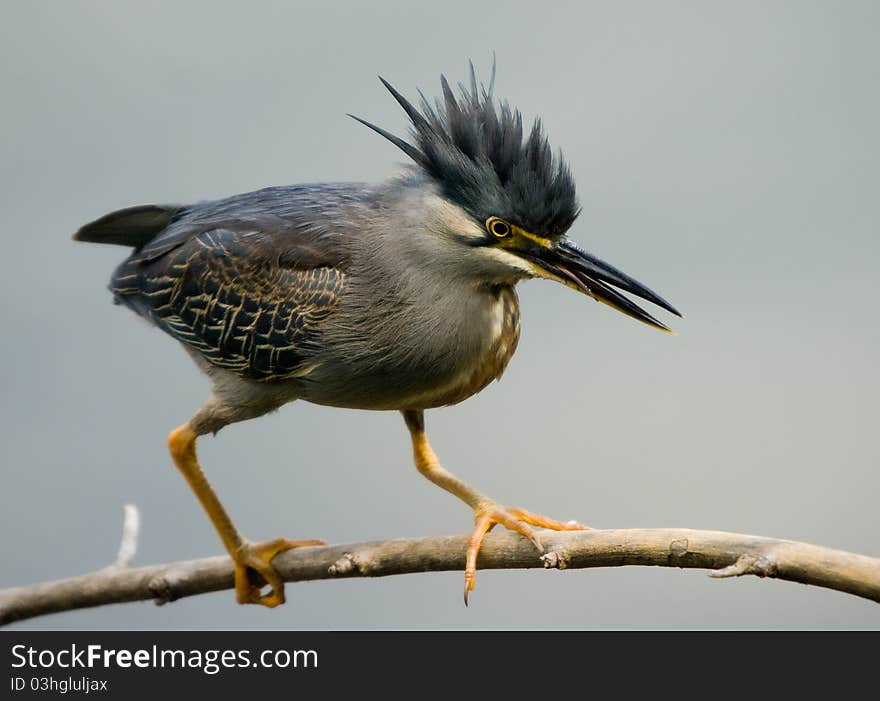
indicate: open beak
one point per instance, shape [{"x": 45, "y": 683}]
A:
[{"x": 574, "y": 267}]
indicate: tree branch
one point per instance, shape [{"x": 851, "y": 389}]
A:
[{"x": 727, "y": 554}]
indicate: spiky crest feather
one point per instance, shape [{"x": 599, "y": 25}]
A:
[{"x": 478, "y": 156}]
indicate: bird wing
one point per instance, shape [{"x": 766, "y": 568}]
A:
[{"x": 249, "y": 299}]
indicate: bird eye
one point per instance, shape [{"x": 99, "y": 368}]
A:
[{"x": 498, "y": 227}]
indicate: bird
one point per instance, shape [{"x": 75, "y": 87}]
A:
[{"x": 398, "y": 295}]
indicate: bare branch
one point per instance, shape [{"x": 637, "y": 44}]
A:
[
  {"x": 131, "y": 526},
  {"x": 727, "y": 554}
]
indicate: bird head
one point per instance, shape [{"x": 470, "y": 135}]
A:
[{"x": 513, "y": 199}]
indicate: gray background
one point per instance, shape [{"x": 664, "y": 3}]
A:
[{"x": 726, "y": 154}]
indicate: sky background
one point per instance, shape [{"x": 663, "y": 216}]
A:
[{"x": 726, "y": 154}]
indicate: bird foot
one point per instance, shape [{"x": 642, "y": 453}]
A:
[
  {"x": 490, "y": 514},
  {"x": 253, "y": 570}
]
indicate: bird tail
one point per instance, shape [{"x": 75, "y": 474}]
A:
[{"x": 134, "y": 226}]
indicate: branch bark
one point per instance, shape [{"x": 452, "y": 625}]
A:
[{"x": 726, "y": 554}]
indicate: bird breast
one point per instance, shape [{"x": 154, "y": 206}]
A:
[
  {"x": 501, "y": 336},
  {"x": 415, "y": 351}
]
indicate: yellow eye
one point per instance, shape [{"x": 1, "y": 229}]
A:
[{"x": 498, "y": 227}]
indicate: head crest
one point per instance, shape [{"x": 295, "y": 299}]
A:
[{"x": 479, "y": 158}]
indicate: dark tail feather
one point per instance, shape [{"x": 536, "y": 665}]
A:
[{"x": 134, "y": 226}]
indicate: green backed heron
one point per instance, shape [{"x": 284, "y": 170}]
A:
[{"x": 398, "y": 295}]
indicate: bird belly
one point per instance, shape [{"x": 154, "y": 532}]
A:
[{"x": 437, "y": 370}]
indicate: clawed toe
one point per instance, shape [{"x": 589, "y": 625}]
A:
[
  {"x": 488, "y": 515},
  {"x": 253, "y": 570}
]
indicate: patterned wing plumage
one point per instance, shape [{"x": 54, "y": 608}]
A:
[{"x": 248, "y": 301}]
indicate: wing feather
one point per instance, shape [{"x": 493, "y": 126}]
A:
[{"x": 249, "y": 301}]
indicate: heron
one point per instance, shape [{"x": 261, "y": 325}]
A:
[{"x": 397, "y": 295}]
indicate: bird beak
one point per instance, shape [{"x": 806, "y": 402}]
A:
[{"x": 569, "y": 264}]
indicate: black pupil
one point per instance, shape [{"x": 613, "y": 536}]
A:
[{"x": 499, "y": 228}]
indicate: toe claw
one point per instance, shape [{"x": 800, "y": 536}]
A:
[
  {"x": 256, "y": 559},
  {"x": 489, "y": 514}
]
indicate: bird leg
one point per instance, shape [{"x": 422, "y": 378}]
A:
[
  {"x": 253, "y": 561},
  {"x": 487, "y": 512}
]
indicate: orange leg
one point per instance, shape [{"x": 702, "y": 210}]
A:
[
  {"x": 252, "y": 560},
  {"x": 487, "y": 512}
]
